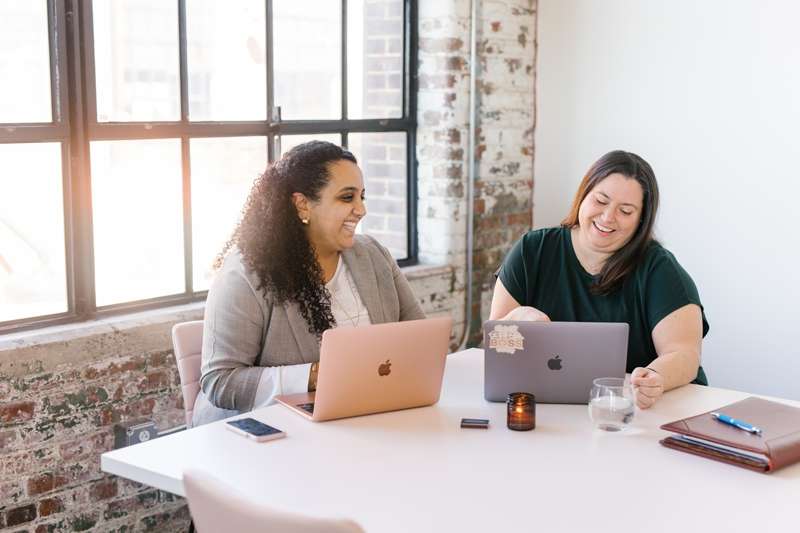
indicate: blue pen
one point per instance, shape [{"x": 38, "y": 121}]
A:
[{"x": 737, "y": 423}]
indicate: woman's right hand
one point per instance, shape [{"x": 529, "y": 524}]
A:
[{"x": 526, "y": 313}]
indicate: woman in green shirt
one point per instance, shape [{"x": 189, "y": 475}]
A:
[{"x": 603, "y": 265}]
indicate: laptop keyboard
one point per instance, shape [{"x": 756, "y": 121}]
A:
[{"x": 307, "y": 407}]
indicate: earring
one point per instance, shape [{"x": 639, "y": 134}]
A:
[{"x": 304, "y": 221}]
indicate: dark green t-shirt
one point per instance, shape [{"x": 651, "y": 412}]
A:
[{"x": 542, "y": 271}]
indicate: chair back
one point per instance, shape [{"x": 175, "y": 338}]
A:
[
  {"x": 216, "y": 507},
  {"x": 187, "y": 342}
]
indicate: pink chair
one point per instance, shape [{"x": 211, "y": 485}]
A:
[
  {"x": 216, "y": 507},
  {"x": 187, "y": 342}
]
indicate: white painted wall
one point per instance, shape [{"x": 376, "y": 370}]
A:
[{"x": 709, "y": 93}]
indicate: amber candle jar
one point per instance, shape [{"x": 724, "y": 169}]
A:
[{"x": 521, "y": 411}]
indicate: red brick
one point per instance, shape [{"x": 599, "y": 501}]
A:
[
  {"x": 50, "y": 506},
  {"x": 107, "y": 415},
  {"x": 118, "y": 393},
  {"x": 154, "y": 381},
  {"x": 21, "y": 515},
  {"x": 16, "y": 412},
  {"x": 160, "y": 521},
  {"x": 45, "y": 483},
  {"x": 141, "y": 408},
  {"x": 160, "y": 359},
  {"x": 103, "y": 490}
]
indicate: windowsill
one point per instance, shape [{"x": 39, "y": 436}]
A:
[
  {"x": 119, "y": 324},
  {"x": 109, "y": 325}
]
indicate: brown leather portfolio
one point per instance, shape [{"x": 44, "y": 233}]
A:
[{"x": 777, "y": 445}]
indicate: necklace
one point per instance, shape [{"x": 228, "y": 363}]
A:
[{"x": 354, "y": 320}]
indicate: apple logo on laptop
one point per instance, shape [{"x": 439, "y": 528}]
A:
[
  {"x": 385, "y": 368},
  {"x": 554, "y": 363}
]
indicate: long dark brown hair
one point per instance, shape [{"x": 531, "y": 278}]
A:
[
  {"x": 625, "y": 260},
  {"x": 273, "y": 240}
]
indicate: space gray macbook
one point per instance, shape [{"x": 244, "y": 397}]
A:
[{"x": 555, "y": 361}]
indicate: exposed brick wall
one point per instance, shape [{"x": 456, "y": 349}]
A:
[
  {"x": 59, "y": 401},
  {"x": 504, "y": 152}
]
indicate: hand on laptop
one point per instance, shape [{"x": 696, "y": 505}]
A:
[
  {"x": 648, "y": 387},
  {"x": 525, "y": 312}
]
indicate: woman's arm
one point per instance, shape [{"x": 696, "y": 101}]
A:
[
  {"x": 505, "y": 307},
  {"x": 677, "y": 338},
  {"x": 232, "y": 337}
]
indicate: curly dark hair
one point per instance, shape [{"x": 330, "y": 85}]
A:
[{"x": 272, "y": 239}]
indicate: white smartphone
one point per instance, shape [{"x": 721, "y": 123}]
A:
[{"x": 255, "y": 430}]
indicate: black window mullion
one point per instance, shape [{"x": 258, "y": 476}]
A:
[
  {"x": 88, "y": 66},
  {"x": 273, "y": 117},
  {"x": 57, "y": 43},
  {"x": 70, "y": 234},
  {"x": 182, "y": 61},
  {"x": 410, "y": 65},
  {"x": 110, "y": 131},
  {"x": 344, "y": 63},
  {"x": 353, "y": 126},
  {"x": 186, "y": 169},
  {"x": 81, "y": 111},
  {"x": 409, "y": 59},
  {"x": 30, "y": 133}
]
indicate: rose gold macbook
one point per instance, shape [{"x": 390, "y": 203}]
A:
[{"x": 373, "y": 369}]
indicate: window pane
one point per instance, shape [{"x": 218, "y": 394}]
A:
[
  {"x": 136, "y": 60},
  {"x": 24, "y": 63},
  {"x": 307, "y": 69},
  {"x": 223, "y": 171},
  {"x": 32, "y": 271},
  {"x": 290, "y": 141},
  {"x": 227, "y": 59},
  {"x": 138, "y": 219},
  {"x": 374, "y": 58},
  {"x": 382, "y": 158}
]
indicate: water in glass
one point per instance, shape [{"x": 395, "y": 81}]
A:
[{"x": 611, "y": 405}]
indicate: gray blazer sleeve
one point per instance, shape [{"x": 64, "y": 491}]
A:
[
  {"x": 409, "y": 306},
  {"x": 232, "y": 332}
]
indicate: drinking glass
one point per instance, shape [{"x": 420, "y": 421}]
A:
[{"x": 611, "y": 404}]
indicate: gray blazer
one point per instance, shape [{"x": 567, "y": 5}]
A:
[{"x": 245, "y": 334}]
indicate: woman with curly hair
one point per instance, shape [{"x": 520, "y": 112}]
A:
[{"x": 293, "y": 268}]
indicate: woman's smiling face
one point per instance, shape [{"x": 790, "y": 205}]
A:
[
  {"x": 610, "y": 213},
  {"x": 332, "y": 220}
]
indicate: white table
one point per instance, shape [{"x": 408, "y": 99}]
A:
[{"x": 417, "y": 470}]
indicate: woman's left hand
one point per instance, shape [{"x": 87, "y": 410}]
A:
[{"x": 648, "y": 386}]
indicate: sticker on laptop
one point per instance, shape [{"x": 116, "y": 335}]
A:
[{"x": 506, "y": 339}]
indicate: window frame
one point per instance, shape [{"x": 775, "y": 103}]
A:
[{"x": 75, "y": 126}]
